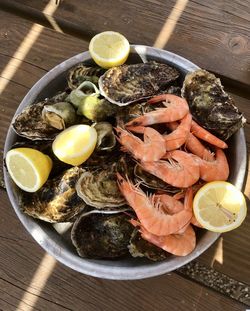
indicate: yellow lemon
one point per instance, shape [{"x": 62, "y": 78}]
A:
[
  {"x": 109, "y": 49},
  {"x": 29, "y": 168},
  {"x": 219, "y": 206},
  {"x": 75, "y": 144}
]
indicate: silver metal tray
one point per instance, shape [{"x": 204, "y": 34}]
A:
[{"x": 59, "y": 247}]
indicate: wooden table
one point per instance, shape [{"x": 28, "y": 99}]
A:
[{"x": 37, "y": 35}]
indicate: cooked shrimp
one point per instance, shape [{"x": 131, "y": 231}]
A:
[
  {"x": 169, "y": 204},
  {"x": 195, "y": 146},
  {"x": 203, "y": 134},
  {"x": 179, "y": 136},
  {"x": 149, "y": 213},
  {"x": 195, "y": 222},
  {"x": 176, "y": 244},
  {"x": 215, "y": 170},
  {"x": 151, "y": 149},
  {"x": 180, "y": 170},
  {"x": 176, "y": 109}
]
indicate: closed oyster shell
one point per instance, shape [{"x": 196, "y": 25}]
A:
[
  {"x": 101, "y": 235},
  {"x": 210, "y": 105},
  {"x": 57, "y": 200},
  {"x": 98, "y": 188},
  {"x": 81, "y": 73},
  {"x": 138, "y": 247},
  {"x": 31, "y": 124},
  {"x": 129, "y": 83}
]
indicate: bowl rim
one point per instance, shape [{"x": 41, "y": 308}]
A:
[{"x": 99, "y": 268}]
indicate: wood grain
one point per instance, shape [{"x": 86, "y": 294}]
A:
[
  {"x": 217, "y": 31},
  {"x": 66, "y": 289}
]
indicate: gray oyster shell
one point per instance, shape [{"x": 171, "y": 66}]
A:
[
  {"x": 125, "y": 84},
  {"x": 81, "y": 73},
  {"x": 138, "y": 247},
  {"x": 57, "y": 200},
  {"x": 101, "y": 235},
  {"x": 31, "y": 124},
  {"x": 210, "y": 105},
  {"x": 98, "y": 188}
]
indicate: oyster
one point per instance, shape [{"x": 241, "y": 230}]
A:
[
  {"x": 138, "y": 247},
  {"x": 105, "y": 136},
  {"x": 30, "y": 123},
  {"x": 99, "y": 235},
  {"x": 129, "y": 83},
  {"x": 57, "y": 200},
  {"x": 98, "y": 188},
  {"x": 59, "y": 115},
  {"x": 81, "y": 73},
  {"x": 210, "y": 105}
]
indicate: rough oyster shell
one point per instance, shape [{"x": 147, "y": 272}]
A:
[
  {"x": 105, "y": 136},
  {"x": 128, "y": 83},
  {"x": 57, "y": 200},
  {"x": 98, "y": 188},
  {"x": 210, "y": 105},
  {"x": 138, "y": 247},
  {"x": 30, "y": 123},
  {"x": 101, "y": 235},
  {"x": 81, "y": 73}
]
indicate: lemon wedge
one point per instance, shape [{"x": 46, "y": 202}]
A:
[
  {"x": 219, "y": 206},
  {"x": 29, "y": 168},
  {"x": 109, "y": 49},
  {"x": 75, "y": 144}
]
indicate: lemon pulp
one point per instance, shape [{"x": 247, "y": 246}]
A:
[
  {"x": 29, "y": 168},
  {"x": 75, "y": 144},
  {"x": 219, "y": 206},
  {"x": 109, "y": 49}
]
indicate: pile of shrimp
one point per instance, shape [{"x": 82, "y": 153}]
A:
[{"x": 180, "y": 159}]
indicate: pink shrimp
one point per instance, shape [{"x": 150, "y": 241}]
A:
[
  {"x": 195, "y": 146},
  {"x": 176, "y": 109},
  {"x": 215, "y": 170},
  {"x": 179, "y": 136},
  {"x": 181, "y": 170},
  {"x": 168, "y": 203},
  {"x": 152, "y": 218},
  {"x": 151, "y": 149},
  {"x": 195, "y": 222},
  {"x": 176, "y": 244},
  {"x": 203, "y": 134}
]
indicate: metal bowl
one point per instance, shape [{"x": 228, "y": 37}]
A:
[{"x": 54, "y": 243}]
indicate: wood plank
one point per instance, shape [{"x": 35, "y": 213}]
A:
[
  {"x": 65, "y": 289},
  {"x": 218, "y": 31},
  {"x": 18, "y": 242}
]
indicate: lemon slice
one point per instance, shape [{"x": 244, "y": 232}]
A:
[
  {"x": 109, "y": 49},
  {"x": 75, "y": 144},
  {"x": 219, "y": 206},
  {"x": 29, "y": 168}
]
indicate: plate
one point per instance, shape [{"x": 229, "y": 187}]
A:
[{"x": 127, "y": 268}]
